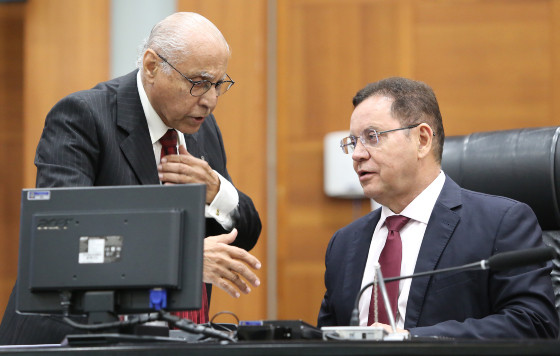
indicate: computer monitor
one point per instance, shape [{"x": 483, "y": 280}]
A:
[{"x": 125, "y": 240}]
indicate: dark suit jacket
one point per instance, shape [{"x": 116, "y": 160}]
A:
[
  {"x": 464, "y": 227},
  {"x": 100, "y": 137}
]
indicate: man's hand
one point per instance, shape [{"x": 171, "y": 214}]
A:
[
  {"x": 389, "y": 329},
  {"x": 185, "y": 168},
  {"x": 224, "y": 265}
]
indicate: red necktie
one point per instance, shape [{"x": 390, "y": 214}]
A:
[
  {"x": 169, "y": 147},
  {"x": 168, "y": 143},
  {"x": 390, "y": 262}
]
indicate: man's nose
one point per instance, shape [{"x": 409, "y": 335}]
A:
[
  {"x": 360, "y": 152},
  {"x": 210, "y": 98}
]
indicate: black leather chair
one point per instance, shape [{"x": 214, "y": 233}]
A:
[{"x": 521, "y": 164}]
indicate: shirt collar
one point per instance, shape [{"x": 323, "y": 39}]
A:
[
  {"x": 420, "y": 209},
  {"x": 155, "y": 125}
]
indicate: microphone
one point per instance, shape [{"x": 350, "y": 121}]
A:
[
  {"x": 498, "y": 262},
  {"x": 511, "y": 259}
]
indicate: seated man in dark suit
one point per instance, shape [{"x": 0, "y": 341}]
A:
[
  {"x": 118, "y": 133},
  {"x": 396, "y": 145}
]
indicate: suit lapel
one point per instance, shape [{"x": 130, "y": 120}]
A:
[
  {"x": 440, "y": 228},
  {"x": 192, "y": 145},
  {"x": 137, "y": 145}
]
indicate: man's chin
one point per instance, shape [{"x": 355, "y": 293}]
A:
[
  {"x": 191, "y": 127},
  {"x": 371, "y": 193}
]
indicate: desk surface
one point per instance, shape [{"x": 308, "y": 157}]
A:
[{"x": 323, "y": 348}]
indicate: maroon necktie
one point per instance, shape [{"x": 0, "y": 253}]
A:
[
  {"x": 390, "y": 262},
  {"x": 168, "y": 143},
  {"x": 169, "y": 147}
]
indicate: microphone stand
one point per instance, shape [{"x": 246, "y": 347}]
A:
[
  {"x": 386, "y": 301},
  {"x": 356, "y": 332}
]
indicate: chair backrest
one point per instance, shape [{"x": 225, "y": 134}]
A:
[{"x": 521, "y": 164}]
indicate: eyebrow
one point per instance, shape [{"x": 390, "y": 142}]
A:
[
  {"x": 371, "y": 128},
  {"x": 206, "y": 76}
]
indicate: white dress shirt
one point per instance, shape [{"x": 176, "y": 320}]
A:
[
  {"x": 412, "y": 234},
  {"x": 224, "y": 206}
]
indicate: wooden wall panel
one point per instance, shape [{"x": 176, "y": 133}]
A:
[
  {"x": 555, "y": 59},
  {"x": 11, "y": 146},
  {"x": 490, "y": 62},
  {"x": 493, "y": 64},
  {"x": 326, "y": 52},
  {"x": 241, "y": 114},
  {"x": 66, "y": 49}
]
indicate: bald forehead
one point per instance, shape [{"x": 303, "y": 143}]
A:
[{"x": 194, "y": 29}]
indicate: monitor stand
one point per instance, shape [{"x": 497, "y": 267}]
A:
[{"x": 100, "y": 308}]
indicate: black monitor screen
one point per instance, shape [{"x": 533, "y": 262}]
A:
[{"x": 126, "y": 239}]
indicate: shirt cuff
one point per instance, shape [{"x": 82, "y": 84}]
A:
[{"x": 223, "y": 207}]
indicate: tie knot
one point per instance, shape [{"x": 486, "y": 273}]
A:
[
  {"x": 169, "y": 143},
  {"x": 396, "y": 222}
]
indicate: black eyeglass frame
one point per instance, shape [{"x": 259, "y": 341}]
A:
[
  {"x": 354, "y": 139},
  {"x": 194, "y": 83}
]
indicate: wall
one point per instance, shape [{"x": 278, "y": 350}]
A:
[
  {"x": 66, "y": 47},
  {"x": 11, "y": 146}
]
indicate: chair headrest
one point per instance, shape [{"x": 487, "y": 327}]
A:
[{"x": 521, "y": 164}]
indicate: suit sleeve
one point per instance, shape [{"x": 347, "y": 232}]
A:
[
  {"x": 327, "y": 316},
  {"x": 520, "y": 300},
  {"x": 247, "y": 220},
  {"x": 66, "y": 153}
]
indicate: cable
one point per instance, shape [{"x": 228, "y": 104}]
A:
[
  {"x": 228, "y": 328},
  {"x": 189, "y": 326},
  {"x": 222, "y": 313},
  {"x": 183, "y": 324},
  {"x": 144, "y": 318},
  {"x": 223, "y": 327}
]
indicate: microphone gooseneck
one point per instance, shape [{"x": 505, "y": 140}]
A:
[{"x": 498, "y": 262}]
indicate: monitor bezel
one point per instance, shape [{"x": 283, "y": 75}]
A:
[{"x": 189, "y": 199}]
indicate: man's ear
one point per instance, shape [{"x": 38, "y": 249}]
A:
[
  {"x": 425, "y": 140},
  {"x": 150, "y": 65}
]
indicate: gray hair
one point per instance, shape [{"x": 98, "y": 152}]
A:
[{"x": 170, "y": 36}]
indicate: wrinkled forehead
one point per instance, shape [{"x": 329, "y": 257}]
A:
[{"x": 208, "y": 61}]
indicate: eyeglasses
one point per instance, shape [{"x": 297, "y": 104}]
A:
[
  {"x": 369, "y": 138},
  {"x": 199, "y": 87}
]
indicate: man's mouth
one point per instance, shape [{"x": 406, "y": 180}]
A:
[{"x": 364, "y": 175}]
